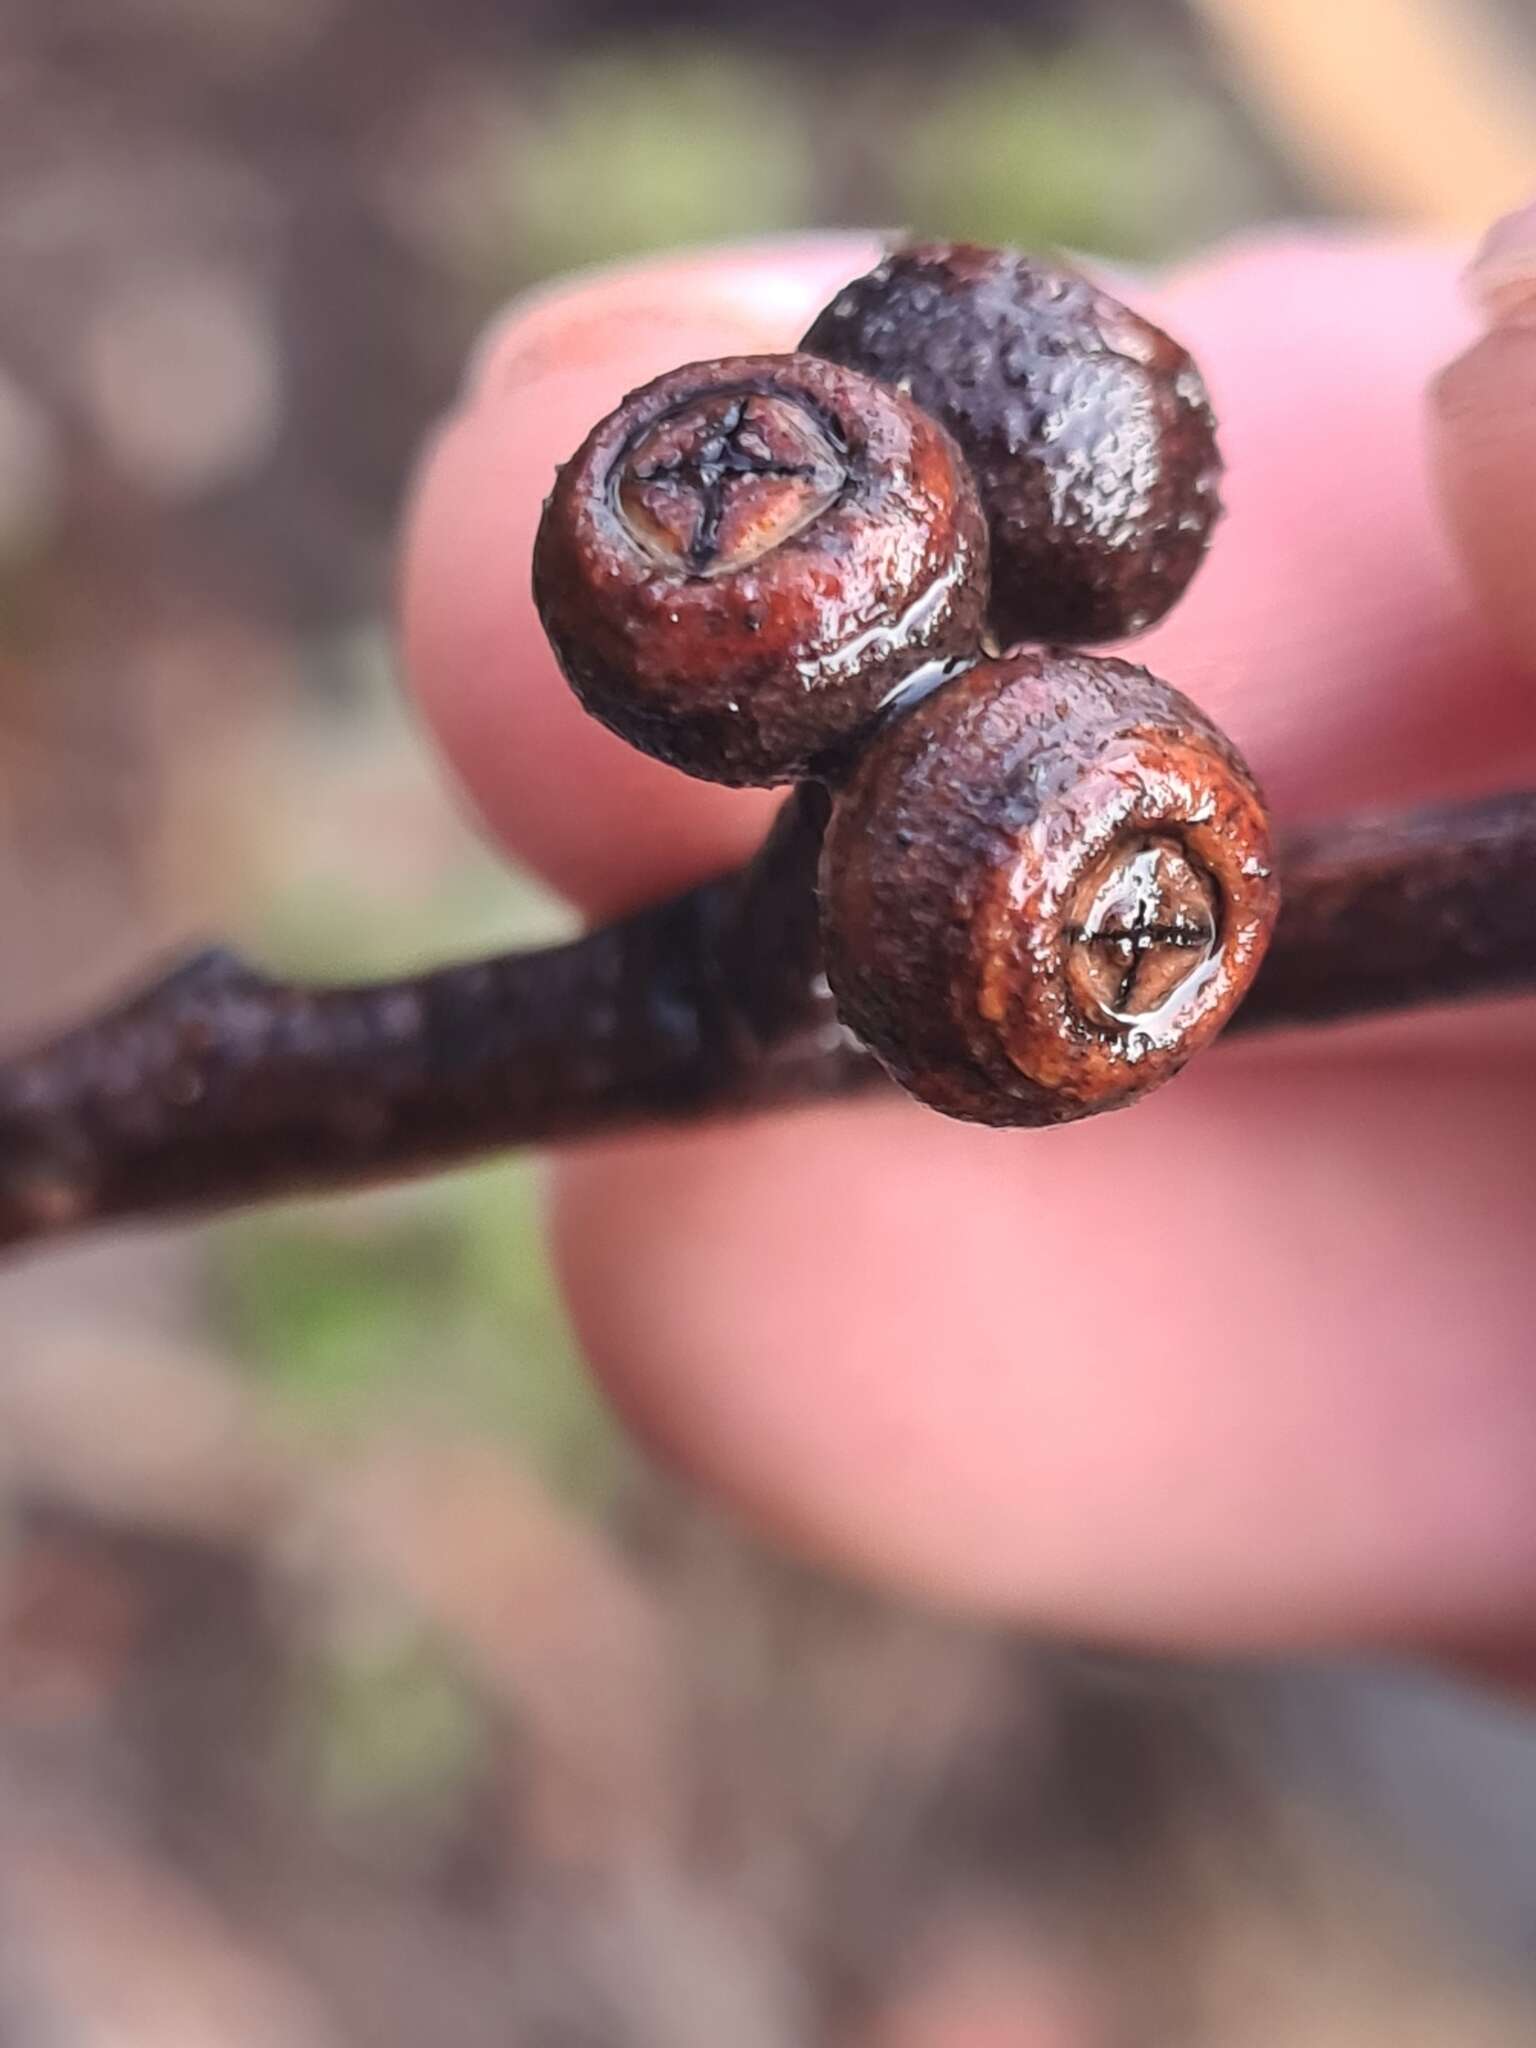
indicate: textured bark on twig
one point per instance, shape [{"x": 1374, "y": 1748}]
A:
[{"x": 217, "y": 1086}]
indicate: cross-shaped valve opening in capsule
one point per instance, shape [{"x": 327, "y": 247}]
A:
[
  {"x": 1140, "y": 923},
  {"x": 720, "y": 481}
]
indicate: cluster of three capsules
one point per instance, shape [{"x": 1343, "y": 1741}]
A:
[{"x": 1046, "y": 878}]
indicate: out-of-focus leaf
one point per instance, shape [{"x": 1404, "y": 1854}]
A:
[
  {"x": 437, "y": 1298},
  {"x": 634, "y": 150},
  {"x": 390, "y": 1728},
  {"x": 1077, "y": 152}
]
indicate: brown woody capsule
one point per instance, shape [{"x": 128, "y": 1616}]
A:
[
  {"x": 1088, "y": 429},
  {"x": 740, "y": 563},
  {"x": 1044, "y": 887}
]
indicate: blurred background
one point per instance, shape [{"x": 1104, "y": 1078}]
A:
[{"x": 358, "y": 1685}]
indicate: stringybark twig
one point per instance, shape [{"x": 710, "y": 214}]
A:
[{"x": 217, "y": 1086}]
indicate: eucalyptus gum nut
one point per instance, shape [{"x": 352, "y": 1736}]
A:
[
  {"x": 1088, "y": 429},
  {"x": 1044, "y": 887},
  {"x": 744, "y": 560}
]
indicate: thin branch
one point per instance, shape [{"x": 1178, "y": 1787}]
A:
[
  {"x": 1397, "y": 912},
  {"x": 217, "y": 1086}
]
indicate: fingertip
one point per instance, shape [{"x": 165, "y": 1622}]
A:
[
  {"x": 1004, "y": 1396},
  {"x": 594, "y": 316},
  {"x": 1482, "y": 422},
  {"x": 1330, "y": 630}
]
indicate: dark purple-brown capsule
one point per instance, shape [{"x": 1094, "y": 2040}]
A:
[
  {"x": 1044, "y": 887},
  {"x": 739, "y": 565},
  {"x": 1088, "y": 429}
]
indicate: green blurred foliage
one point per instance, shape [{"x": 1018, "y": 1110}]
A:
[
  {"x": 1084, "y": 151},
  {"x": 324, "y": 927},
  {"x": 435, "y": 1300},
  {"x": 1112, "y": 146},
  {"x": 391, "y": 1732},
  {"x": 639, "y": 148}
]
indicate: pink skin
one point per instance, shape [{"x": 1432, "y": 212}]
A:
[{"x": 1249, "y": 1365}]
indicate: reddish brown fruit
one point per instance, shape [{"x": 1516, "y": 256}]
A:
[
  {"x": 739, "y": 565},
  {"x": 1044, "y": 887},
  {"x": 1088, "y": 429}
]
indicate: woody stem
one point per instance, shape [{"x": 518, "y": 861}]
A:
[{"x": 217, "y": 1086}]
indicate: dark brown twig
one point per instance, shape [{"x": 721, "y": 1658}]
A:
[
  {"x": 1392, "y": 913},
  {"x": 216, "y": 1086}
]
